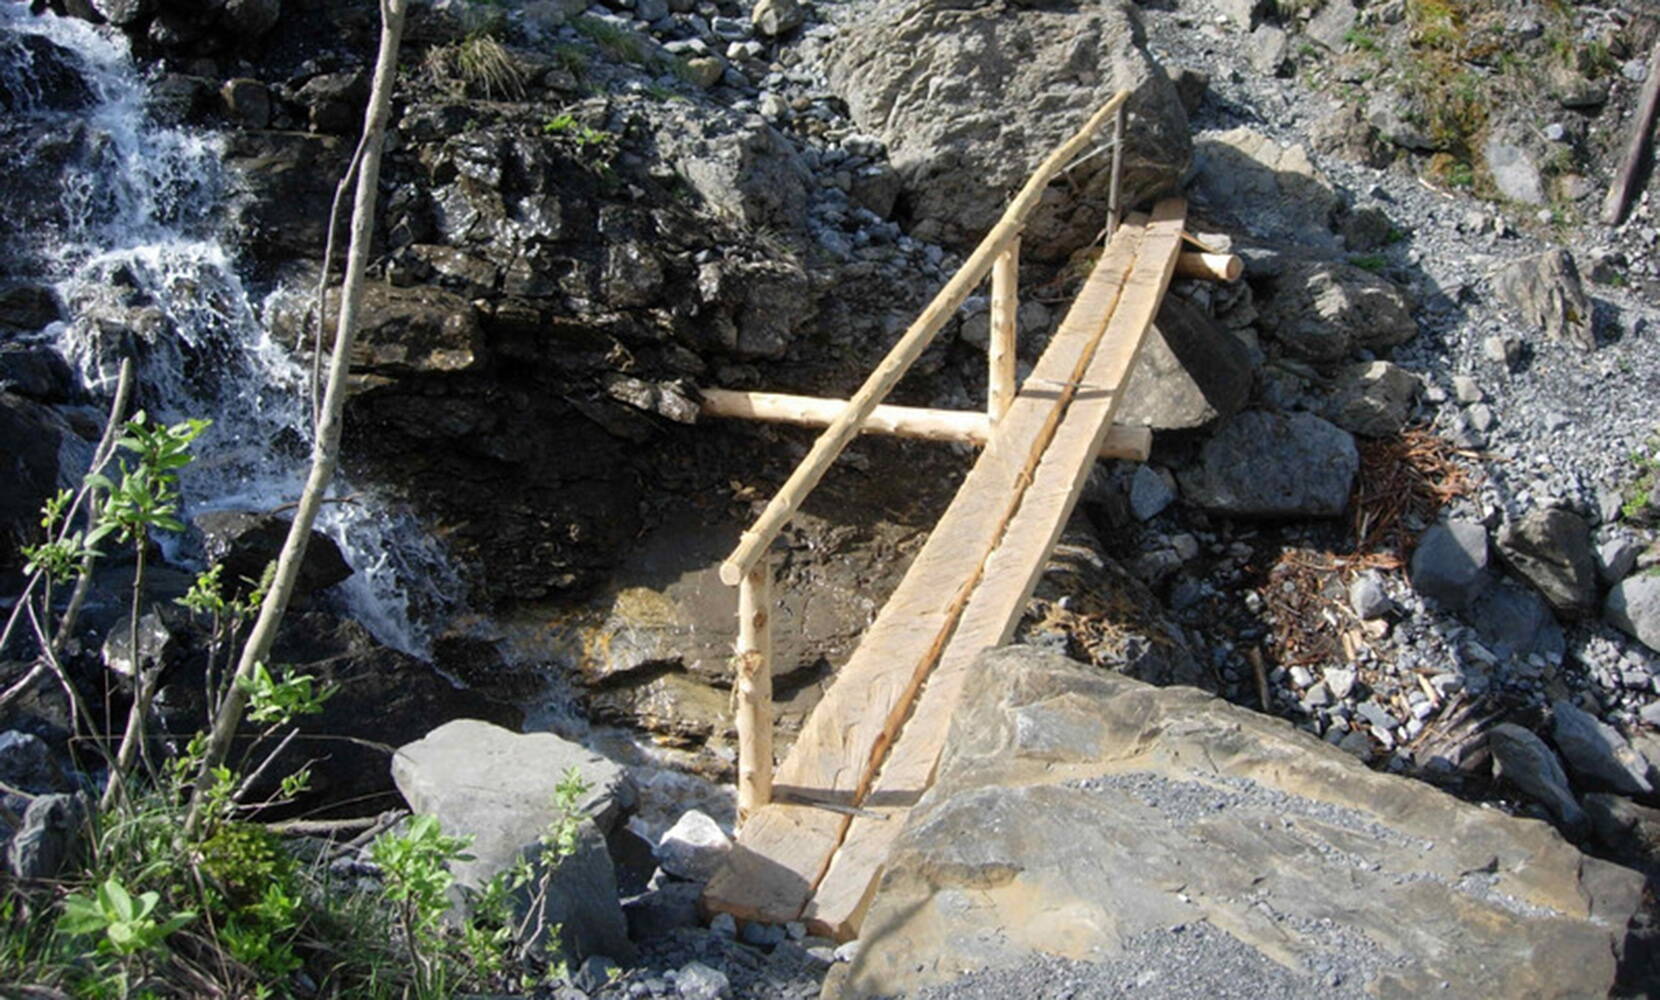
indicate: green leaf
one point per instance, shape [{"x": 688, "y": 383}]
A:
[{"x": 114, "y": 900}]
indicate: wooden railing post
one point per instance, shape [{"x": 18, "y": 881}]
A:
[
  {"x": 754, "y": 689},
  {"x": 1005, "y": 302},
  {"x": 1114, "y": 212}
]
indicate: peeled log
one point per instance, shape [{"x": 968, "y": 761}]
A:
[
  {"x": 1209, "y": 266},
  {"x": 962, "y": 426}
]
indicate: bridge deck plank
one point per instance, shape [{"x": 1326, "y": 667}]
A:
[
  {"x": 786, "y": 849},
  {"x": 1011, "y": 574}
]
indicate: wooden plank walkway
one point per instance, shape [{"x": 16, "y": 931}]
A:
[{"x": 816, "y": 851}]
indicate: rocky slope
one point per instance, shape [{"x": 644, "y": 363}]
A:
[{"x": 1402, "y": 491}]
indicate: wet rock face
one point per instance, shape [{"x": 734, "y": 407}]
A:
[
  {"x": 1070, "y": 819},
  {"x": 956, "y": 147},
  {"x": 52, "y": 81}
]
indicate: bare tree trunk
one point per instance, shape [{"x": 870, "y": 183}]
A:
[{"x": 326, "y": 449}]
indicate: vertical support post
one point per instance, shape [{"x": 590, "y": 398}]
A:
[
  {"x": 1005, "y": 301},
  {"x": 753, "y": 681},
  {"x": 1114, "y": 210}
]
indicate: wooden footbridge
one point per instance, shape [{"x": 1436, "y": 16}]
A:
[{"x": 814, "y": 835}]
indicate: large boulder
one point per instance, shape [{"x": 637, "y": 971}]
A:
[
  {"x": 1320, "y": 311},
  {"x": 1166, "y": 839},
  {"x": 1274, "y": 191},
  {"x": 1372, "y": 398},
  {"x": 245, "y": 542},
  {"x": 970, "y": 96},
  {"x": 1551, "y": 549},
  {"x": 1274, "y": 465},
  {"x": 738, "y": 166},
  {"x": 419, "y": 330},
  {"x": 1450, "y": 563},
  {"x": 1189, "y": 372},
  {"x": 1633, "y": 606},
  {"x": 498, "y": 787},
  {"x": 1546, "y": 290}
]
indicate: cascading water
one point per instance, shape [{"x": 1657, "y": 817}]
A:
[{"x": 130, "y": 237}]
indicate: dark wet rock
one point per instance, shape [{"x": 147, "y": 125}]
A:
[
  {"x": 1372, "y": 398},
  {"x": 27, "y": 764},
  {"x": 1597, "y": 751},
  {"x": 1525, "y": 761},
  {"x": 286, "y": 182},
  {"x": 1321, "y": 311},
  {"x": 245, "y": 542},
  {"x": 1450, "y": 563},
  {"x": 419, "y": 330},
  {"x": 1054, "y": 65},
  {"x": 1263, "y": 464},
  {"x": 1189, "y": 372},
  {"x": 498, "y": 787},
  {"x": 334, "y": 101},
  {"x": 28, "y": 469},
  {"x": 1290, "y": 200},
  {"x": 1633, "y": 606},
  {"x": 1138, "y": 847},
  {"x": 26, "y": 307},
  {"x": 1551, "y": 549},
  {"x": 246, "y": 102},
  {"x": 179, "y": 98},
  {"x": 53, "y": 81},
  {"x": 248, "y": 20},
  {"x": 36, "y": 372},
  {"x": 1546, "y": 290},
  {"x": 54, "y": 829}
]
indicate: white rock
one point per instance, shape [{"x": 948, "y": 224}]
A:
[{"x": 694, "y": 847}]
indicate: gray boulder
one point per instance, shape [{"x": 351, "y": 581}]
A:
[
  {"x": 1514, "y": 172},
  {"x": 1450, "y": 563},
  {"x": 1273, "y": 191},
  {"x": 1546, "y": 290},
  {"x": 777, "y": 17},
  {"x": 970, "y": 99},
  {"x": 1189, "y": 372},
  {"x": 736, "y": 165},
  {"x": 694, "y": 847},
  {"x": 497, "y": 786},
  {"x": 1372, "y": 398},
  {"x": 1630, "y": 830},
  {"x": 1597, "y": 751},
  {"x": 27, "y": 764},
  {"x": 1551, "y": 549},
  {"x": 1151, "y": 491},
  {"x": 1274, "y": 465},
  {"x": 1514, "y": 621},
  {"x": 1069, "y": 820},
  {"x": 54, "y": 827},
  {"x": 1633, "y": 606},
  {"x": 1320, "y": 311},
  {"x": 1525, "y": 761}
]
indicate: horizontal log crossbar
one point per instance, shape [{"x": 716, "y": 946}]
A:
[{"x": 958, "y": 426}]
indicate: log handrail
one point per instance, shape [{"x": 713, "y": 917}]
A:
[{"x": 897, "y": 362}]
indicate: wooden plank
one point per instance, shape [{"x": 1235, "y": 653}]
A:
[
  {"x": 845, "y": 738},
  {"x": 1000, "y": 348},
  {"x": 753, "y": 683},
  {"x": 1011, "y": 575},
  {"x": 1619, "y": 194},
  {"x": 911, "y": 344},
  {"x": 961, "y": 426}
]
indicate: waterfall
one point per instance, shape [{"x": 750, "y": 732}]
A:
[{"x": 127, "y": 228}]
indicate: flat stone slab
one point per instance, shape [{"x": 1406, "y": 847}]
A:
[{"x": 1088, "y": 818}]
